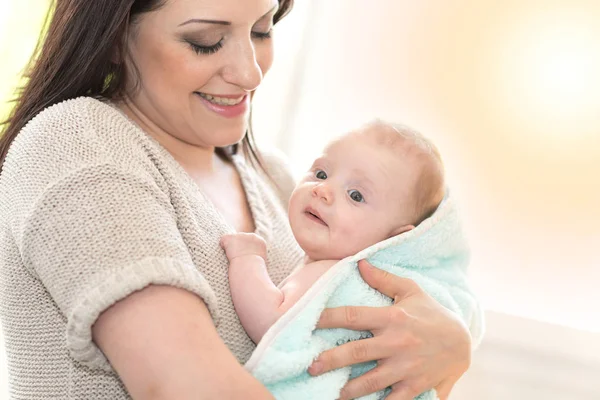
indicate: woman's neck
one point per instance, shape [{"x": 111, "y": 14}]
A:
[{"x": 196, "y": 160}]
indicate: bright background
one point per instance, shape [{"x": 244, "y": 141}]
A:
[{"x": 510, "y": 92}]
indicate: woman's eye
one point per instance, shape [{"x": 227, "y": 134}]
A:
[
  {"x": 262, "y": 35},
  {"x": 199, "y": 49},
  {"x": 356, "y": 196},
  {"x": 320, "y": 174}
]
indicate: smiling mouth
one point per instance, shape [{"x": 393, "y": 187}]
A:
[{"x": 222, "y": 101}]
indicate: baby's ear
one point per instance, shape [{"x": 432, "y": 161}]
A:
[{"x": 402, "y": 229}]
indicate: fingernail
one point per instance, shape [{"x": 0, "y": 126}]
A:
[{"x": 315, "y": 368}]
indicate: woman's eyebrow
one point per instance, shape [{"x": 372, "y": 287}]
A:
[
  {"x": 275, "y": 8},
  {"x": 205, "y": 21},
  {"x": 218, "y": 22}
]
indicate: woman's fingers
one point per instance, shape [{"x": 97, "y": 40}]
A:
[
  {"x": 356, "y": 318},
  {"x": 372, "y": 381},
  {"x": 389, "y": 284},
  {"x": 378, "y": 379},
  {"x": 349, "y": 354},
  {"x": 418, "y": 343},
  {"x": 444, "y": 388},
  {"x": 402, "y": 391}
]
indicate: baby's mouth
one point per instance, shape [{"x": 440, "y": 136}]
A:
[{"x": 314, "y": 216}]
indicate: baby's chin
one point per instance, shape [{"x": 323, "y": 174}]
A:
[
  {"x": 322, "y": 251},
  {"x": 317, "y": 245}
]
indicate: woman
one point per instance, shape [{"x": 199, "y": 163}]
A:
[{"x": 112, "y": 203}]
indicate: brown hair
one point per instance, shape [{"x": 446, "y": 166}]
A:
[{"x": 75, "y": 58}]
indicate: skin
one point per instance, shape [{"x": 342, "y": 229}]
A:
[
  {"x": 161, "y": 340},
  {"x": 412, "y": 327},
  {"x": 357, "y": 162},
  {"x": 168, "y": 106},
  {"x": 354, "y": 165},
  {"x": 348, "y": 187},
  {"x": 258, "y": 302},
  {"x": 132, "y": 334}
]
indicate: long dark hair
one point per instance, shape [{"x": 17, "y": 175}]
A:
[{"x": 76, "y": 56}]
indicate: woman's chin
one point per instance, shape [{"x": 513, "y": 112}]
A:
[
  {"x": 228, "y": 139},
  {"x": 228, "y": 143}
]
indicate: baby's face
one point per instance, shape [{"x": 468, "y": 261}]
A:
[{"x": 355, "y": 195}]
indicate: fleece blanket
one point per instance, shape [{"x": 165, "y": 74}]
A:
[{"x": 434, "y": 254}]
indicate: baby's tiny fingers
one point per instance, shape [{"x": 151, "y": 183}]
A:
[{"x": 225, "y": 240}]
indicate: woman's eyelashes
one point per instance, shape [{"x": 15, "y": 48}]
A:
[
  {"x": 263, "y": 29},
  {"x": 262, "y": 35},
  {"x": 201, "y": 49},
  {"x": 211, "y": 49}
]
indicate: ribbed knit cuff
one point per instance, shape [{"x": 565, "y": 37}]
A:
[{"x": 118, "y": 285}]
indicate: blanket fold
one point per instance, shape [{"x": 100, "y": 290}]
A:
[{"x": 434, "y": 254}]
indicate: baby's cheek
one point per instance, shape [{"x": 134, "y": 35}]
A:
[
  {"x": 353, "y": 238},
  {"x": 369, "y": 232}
]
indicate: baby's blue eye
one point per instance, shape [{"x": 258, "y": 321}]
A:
[
  {"x": 320, "y": 174},
  {"x": 355, "y": 195}
]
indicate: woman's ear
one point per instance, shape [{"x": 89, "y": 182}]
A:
[{"x": 402, "y": 229}]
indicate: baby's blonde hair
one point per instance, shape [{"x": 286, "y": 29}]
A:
[{"x": 430, "y": 184}]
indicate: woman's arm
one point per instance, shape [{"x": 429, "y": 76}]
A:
[{"x": 163, "y": 344}]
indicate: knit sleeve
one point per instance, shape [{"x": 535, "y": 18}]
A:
[{"x": 99, "y": 234}]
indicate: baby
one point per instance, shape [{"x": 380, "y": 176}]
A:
[{"x": 368, "y": 185}]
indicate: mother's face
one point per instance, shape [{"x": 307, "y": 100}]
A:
[{"x": 197, "y": 62}]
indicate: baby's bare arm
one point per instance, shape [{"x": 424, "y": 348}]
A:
[{"x": 256, "y": 299}]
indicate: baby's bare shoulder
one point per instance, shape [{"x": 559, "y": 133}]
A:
[{"x": 321, "y": 264}]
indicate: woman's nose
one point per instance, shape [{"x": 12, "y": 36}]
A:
[
  {"x": 242, "y": 69},
  {"x": 323, "y": 192}
]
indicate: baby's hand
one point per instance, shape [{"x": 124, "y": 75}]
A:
[{"x": 243, "y": 244}]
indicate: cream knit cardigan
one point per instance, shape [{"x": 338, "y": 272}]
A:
[{"x": 93, "y": 209}]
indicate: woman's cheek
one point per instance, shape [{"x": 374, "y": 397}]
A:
[{"x": 264, "y": 55}]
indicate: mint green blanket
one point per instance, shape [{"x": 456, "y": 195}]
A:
[{"x": 434, "y": 254}]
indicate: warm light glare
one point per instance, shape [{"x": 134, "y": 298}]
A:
[
  {"x": 550, "y": 71},
  {"x": 562, "y": 67},
  {"x": 563, "y": 71}
]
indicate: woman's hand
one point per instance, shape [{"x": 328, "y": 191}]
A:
[{"x": 418, "y": 344}]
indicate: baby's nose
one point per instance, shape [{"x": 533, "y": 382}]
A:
[{"x": 323, "y": 192}]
